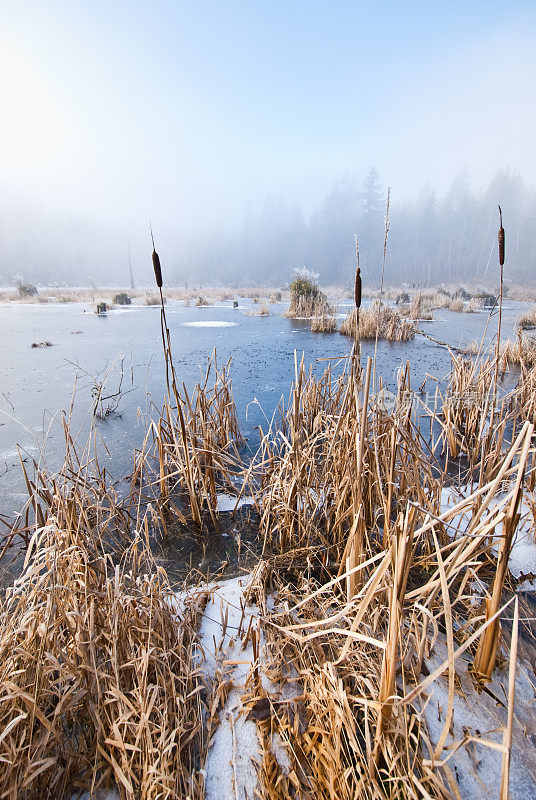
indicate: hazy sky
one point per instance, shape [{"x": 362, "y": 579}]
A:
[{"x": 182, "y": 111}]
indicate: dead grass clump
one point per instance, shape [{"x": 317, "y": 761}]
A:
[
  {"x": 309, "y": 305},
  {"x": 420, "y": 308},
  {"x": 263, "y": 311},
  {"x": 456, "y": 305},
  {"x": 98, "y": 686},
  {"x": 323, "y": 324},
  {"x": 201, "y": 301},
  {"x": 528, "y": 320},
  {"x": 474, "y": 305},
  {"x": 331, "y": 461},
  {"x": 437, "y": 299},
  {"x": 389, "y": 323},
  {"x": 152, "y": 300},
  {"x": 196, "y": 448},
  {"x": 522, "y": 351},
  {"x": 355, "y": 727},
  {"x": 306, "y": 299},
  {"x": 476, "y": 415}
]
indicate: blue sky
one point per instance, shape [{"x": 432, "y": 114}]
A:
[{"x": 187, "y": 110}]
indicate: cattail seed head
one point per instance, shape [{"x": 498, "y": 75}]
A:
[
  {"x": 501, "y": 246},
  {"x": 357, "y": 291},
  {"x": 157, "y": 269},
  {"x": 501, "y": 239}
]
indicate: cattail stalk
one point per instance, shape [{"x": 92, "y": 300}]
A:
[
  {"x": 357, "y": 297},
  {"x": 166, "y": 339},
  {"x": 498, "y": 348},
  {"x": 381, "y": 285},
  {"x": 486, "y": 655}
]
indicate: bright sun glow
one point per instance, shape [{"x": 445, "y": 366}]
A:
[{"x": 31, "y": 135}]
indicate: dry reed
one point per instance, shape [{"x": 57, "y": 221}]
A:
[
  {"x": 323, "y": 324},
  {"x": 387, "y": 322}
]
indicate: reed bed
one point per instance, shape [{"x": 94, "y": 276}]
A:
[
  {"x": 309, "y": 305},
  {"x": 196, "y": 447},
  {"x": 354, "y": 726},
  {"x": 386, "y": 321},
  {"x": 512, "y": 353},
  {"x": 420, "y": 308},
  {"x": 323, "y": 324},
  {"x": 364, "y": 575},
  {"x": 466, "y": 406},
  {"x": 371, "y": 590},
  {"x": 528, "y": 320},
  {"x": 98, "y": 685}
]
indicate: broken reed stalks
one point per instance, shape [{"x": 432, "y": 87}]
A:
[
  {"x": 484, "y": 662},
  {"x": 355, "y": 731}
]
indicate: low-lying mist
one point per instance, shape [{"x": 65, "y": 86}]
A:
[{"x": 433, "y": 238}]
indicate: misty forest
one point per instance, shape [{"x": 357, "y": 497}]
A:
[
  {"x": 267, "y": 446},
  {"x": 434, "y": 238}
]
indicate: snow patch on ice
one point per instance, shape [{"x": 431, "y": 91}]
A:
[
  {"x": 230, "y": 767},
  {"x": 209, "y": 323},
  {"x": 227, "y": 502}
]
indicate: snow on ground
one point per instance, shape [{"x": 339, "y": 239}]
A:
[
  {"x": 230, "y": 766},
  {"x": 477, "y": 767},
  {"x": 234, "y": 751}
]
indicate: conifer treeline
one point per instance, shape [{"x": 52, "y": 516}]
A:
[{"x": 432, "y": 240}]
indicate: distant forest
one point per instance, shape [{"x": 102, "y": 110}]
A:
[{"x": 433, "y": 239}]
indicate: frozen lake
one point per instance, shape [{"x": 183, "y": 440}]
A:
[{"x": 37, "y": 384}]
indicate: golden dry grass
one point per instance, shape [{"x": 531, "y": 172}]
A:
[
  {"x": 387, "y": 321},
  {"x": 98, "y": 685},
  {"x": 323, "y": 324},
  {"x": 307, "y": 306},
  {"x": 99, "y": 676}
]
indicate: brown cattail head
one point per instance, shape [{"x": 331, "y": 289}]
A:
[
  {"x": 501, "y": 240},
  {"x": 157, "y": 269},
  {"x": 357, "y": 292},
  {"x": 156, "y": 262}
]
